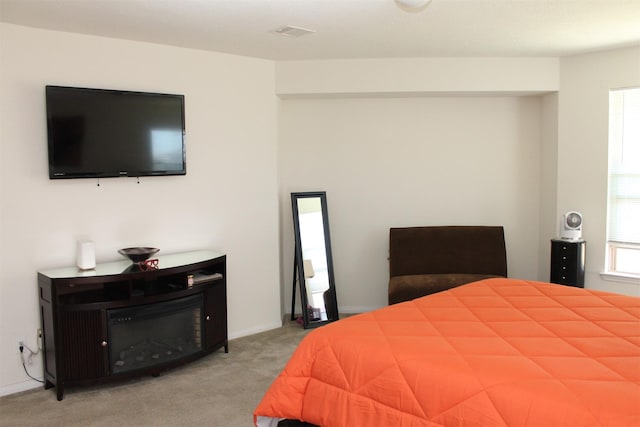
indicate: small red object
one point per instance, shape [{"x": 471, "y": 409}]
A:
[{"x": 150, "y": 264}]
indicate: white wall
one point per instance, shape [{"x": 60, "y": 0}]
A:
[
  {"x": 418, "y": 141},
  {"x": 389, "y": 162},
  {"x": 470, "y": 152},
  {"x": 227, "y": 201},
  {"x": 363, "y": 118},
  {"x": 585, "y": 82},
  {"x": 548, "y": 183}
]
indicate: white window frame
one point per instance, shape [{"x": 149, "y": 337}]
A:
[{"x": 619, "y": 240}]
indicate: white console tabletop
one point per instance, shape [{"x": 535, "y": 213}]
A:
[{"x": 117, "y": 267}]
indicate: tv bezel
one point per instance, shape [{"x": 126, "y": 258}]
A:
[{"x": 110, "y": 174}]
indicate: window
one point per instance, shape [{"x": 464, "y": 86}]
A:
[{"x": 623, "y": 231}]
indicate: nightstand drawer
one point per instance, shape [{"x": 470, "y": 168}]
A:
[{"x": 567, "y": 262}]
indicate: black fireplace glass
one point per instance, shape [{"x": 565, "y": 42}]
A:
[{"x": 154, "y": 334}]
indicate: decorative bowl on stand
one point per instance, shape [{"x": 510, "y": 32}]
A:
[{"x": 138, "y": 255}]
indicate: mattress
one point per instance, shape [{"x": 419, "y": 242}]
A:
[{"x": 498, "y": 352}]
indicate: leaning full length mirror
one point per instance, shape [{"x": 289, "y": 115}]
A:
[{"x": 313, "y": 266}]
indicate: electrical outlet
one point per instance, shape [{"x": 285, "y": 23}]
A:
[{"x": 21, "y": 342}]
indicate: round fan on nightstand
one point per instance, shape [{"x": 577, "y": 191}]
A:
[{"x": 571, "y": 226}]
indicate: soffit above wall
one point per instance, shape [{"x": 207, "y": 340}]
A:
[{"x": 411, "y": 77}]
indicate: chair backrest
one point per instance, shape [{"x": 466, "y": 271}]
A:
[{"x": 446, "y": 250}]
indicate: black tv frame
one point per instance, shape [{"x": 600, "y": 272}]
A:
[{"x": 55, "y": 173}]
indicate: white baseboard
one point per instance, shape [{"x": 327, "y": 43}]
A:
[
  {"x": 257, "y": 330},
  {"x": 351, "y": 310},
  {"x": 19, "y": 387},
  {"x": 356, "y": 309}
]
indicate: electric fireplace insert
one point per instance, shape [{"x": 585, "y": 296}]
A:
[{"x": 154, "y": 334}]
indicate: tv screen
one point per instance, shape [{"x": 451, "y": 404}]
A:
[{"x": 108, "y": 133}]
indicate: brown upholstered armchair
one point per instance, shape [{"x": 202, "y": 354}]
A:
[{"x": 424, "y": 260}]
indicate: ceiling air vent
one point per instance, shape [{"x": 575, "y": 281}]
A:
[{"x": 290, "y": 31}]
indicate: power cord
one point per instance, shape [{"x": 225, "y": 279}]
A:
[{"x": 32, "y": 353}]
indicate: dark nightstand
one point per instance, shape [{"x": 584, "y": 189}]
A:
[{"x": 567, "y": 262}]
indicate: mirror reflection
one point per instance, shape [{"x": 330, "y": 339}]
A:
[{"x": 313, "y": 259}]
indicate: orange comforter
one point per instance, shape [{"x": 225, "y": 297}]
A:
[{"x": 499, "y": 352}]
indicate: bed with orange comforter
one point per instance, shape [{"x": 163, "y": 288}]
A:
[{"x": 499, "y": 352}]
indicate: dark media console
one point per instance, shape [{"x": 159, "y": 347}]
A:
[{"x": 115, "y": 322}]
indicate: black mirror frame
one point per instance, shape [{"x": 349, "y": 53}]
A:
[{"x": 332, "y": 305}]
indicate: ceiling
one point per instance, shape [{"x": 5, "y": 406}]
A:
[{"x": 347, "y": 28}]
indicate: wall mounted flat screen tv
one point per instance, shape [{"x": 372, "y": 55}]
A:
[{"x": 95, "y": 133}]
